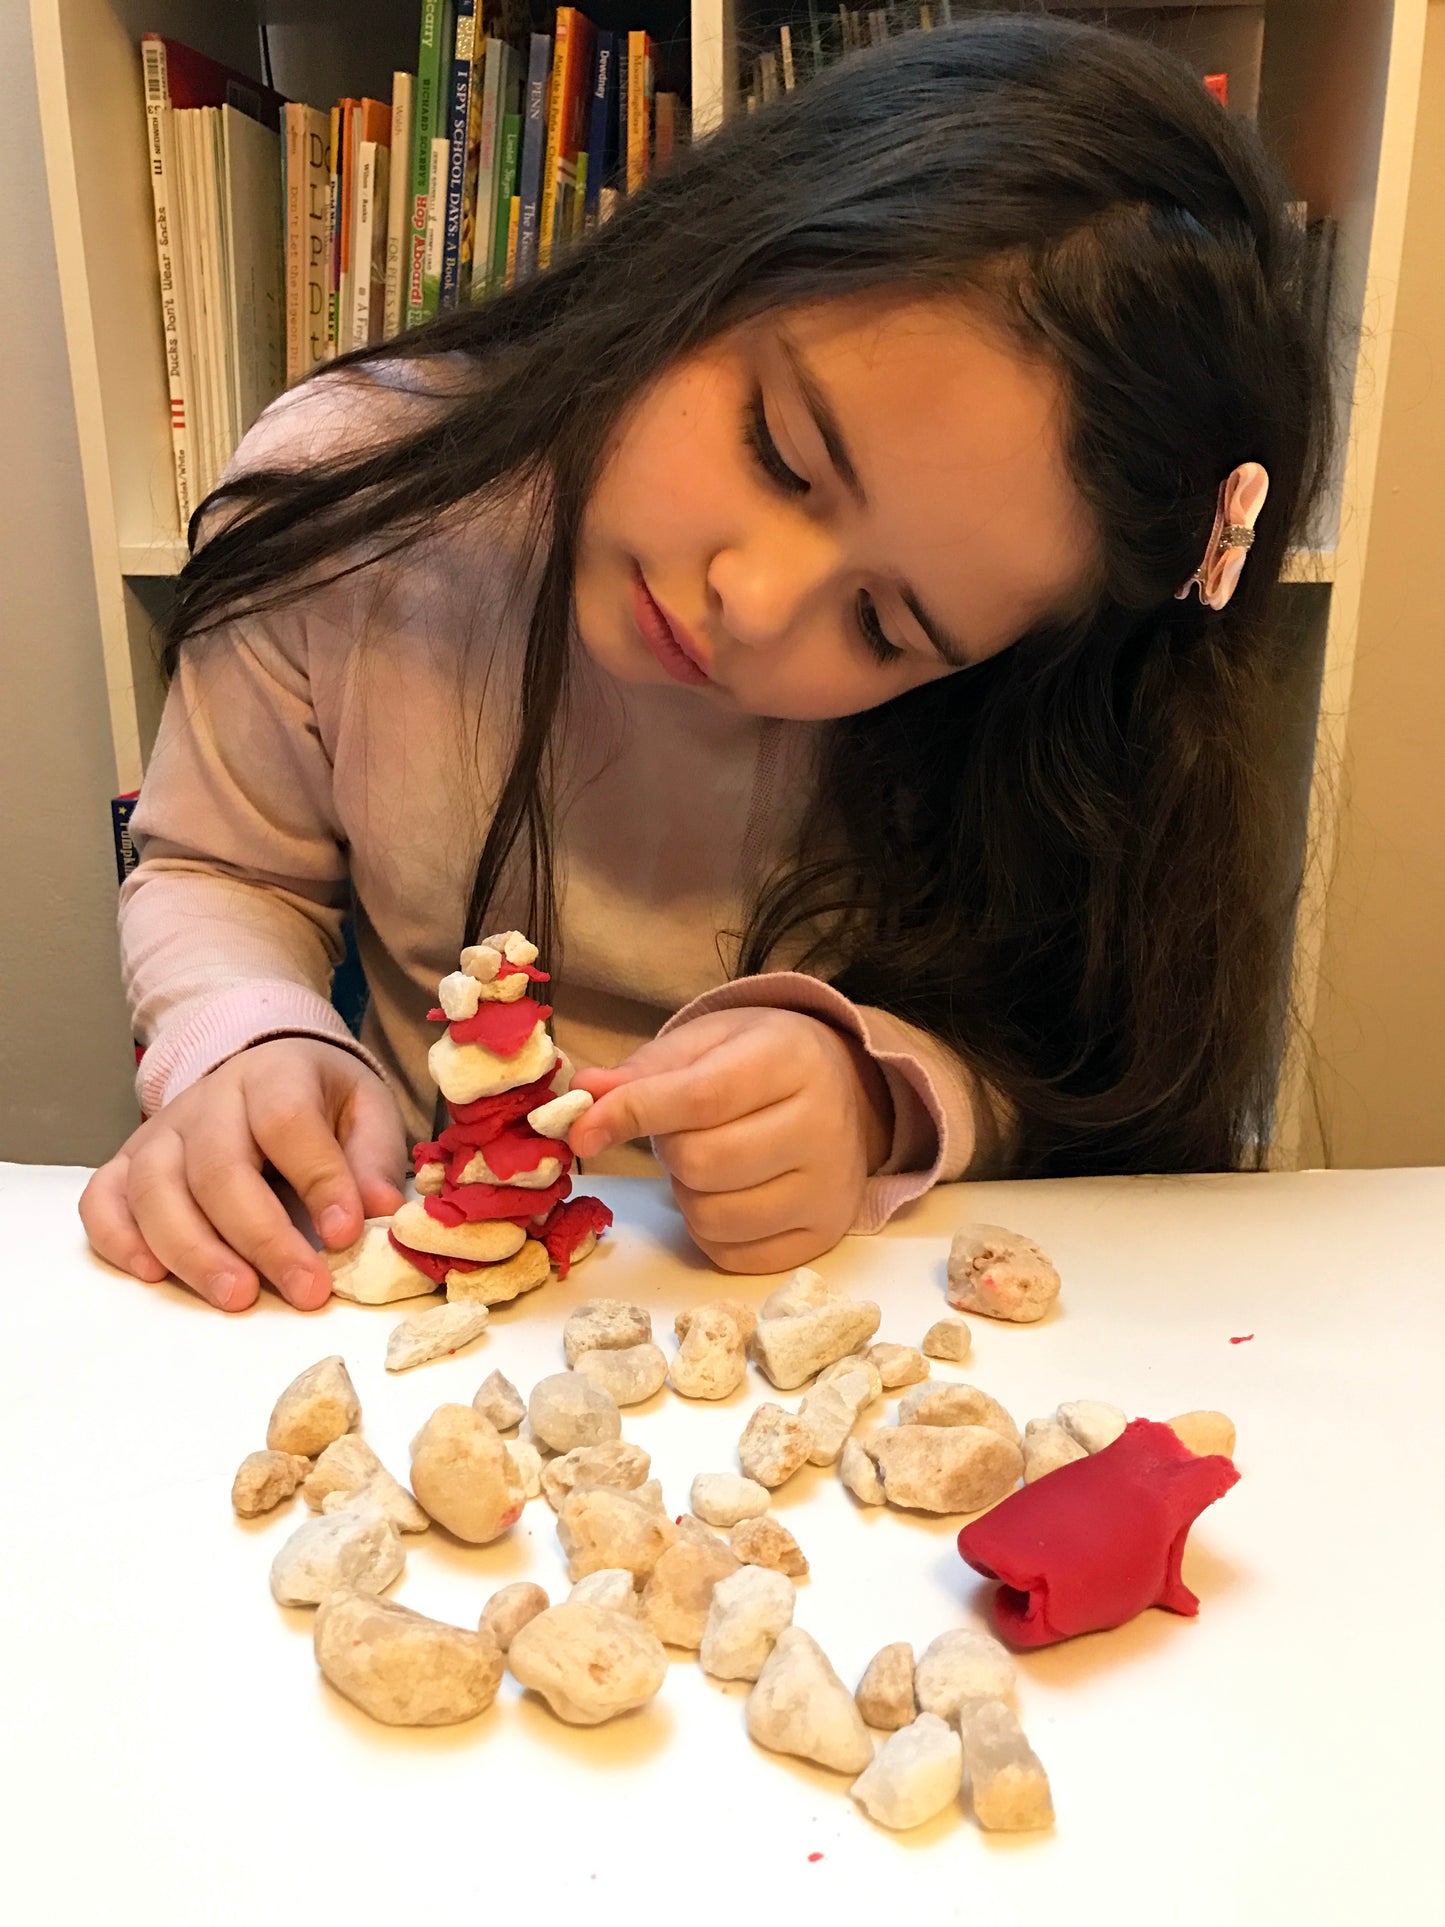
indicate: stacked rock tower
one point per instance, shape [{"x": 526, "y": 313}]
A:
[{"x": 494, "y": 1216}]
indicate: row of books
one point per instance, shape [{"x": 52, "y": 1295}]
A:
[{"x": 286, "y": 234}]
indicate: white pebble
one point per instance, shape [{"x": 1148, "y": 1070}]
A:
[
  {"x": 793, "y": 1348},
  {"x": 722, "y": 1498},
  {"x": 774, "y": 1445},
  {"x": 433, "y": 1334},
  {"x": 361, "y": 1550},
  {"x": 372, "y": 1271},
  {"x": 915, "y": 1774},
  {"x": 799, "y": 1705},
  {"x": 899, "y": 1365},
  {"x": 961, "y": 1664},
  {"x": 612, "y": 1587},
  {"x": 1047, "y": 1446},
  {"x": 1091, "y": 1422},
  {"x": 567, "y": 1411},
  {"x": 1008, "y": 1785},
  {"x": 604, "y": 1324},
  {"x": 628, "y": 1377},
  {"x": 498, "y": 1399},
  {"x": 402, "y": 1668},
  {"x": 860, "y": 1474},
  {"x": 589, "y": 1664},
  {"x": 950, "y": 1339},
  {"x": 955, "y": 1405},
  {"x": 748, "y": 1611},
  {"x": 509, "y": 1609},
  {"x": 556, "y": 1117},
  {"x": 459, "y": 994}
]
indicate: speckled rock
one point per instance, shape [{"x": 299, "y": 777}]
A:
[
  {"x": 1047, "y": 1446},
  {"x": 711, "y": 1360},
  {"x": 859, "y": 1473},
  {"x": 768, "y": 1542},
  {"x": 599, "y": 1527},
  {"x": 264, "y": 1479},
  {"x": 498, "y": 1399},
  {"x": 955, "y": 1405},
  {"x": 617, "y": 1463},
  {"x": 628, "y": 1376},
  {"x": 948, "y": 1338},
  {"x": 402, "y": 1668},
  {"x": 360, "y": 1550},
  {"x": 959, "y": 1665},
  {"x": 1091, "y": 1422},
  {"x": 433, "y": 1334},
  {"x": 898, "y": 1365},
  {"x": 885, "y": 1692},
  {"x": 509, "y": 1609},
  {"x": 944, "y": 1468},
  {"x": 348, "y": 1469},
  {"x": 748, "y": 1611},
  {"x": 319, "y": 1405},
  {"x": 613, "y": 1588},
  {"x": 566, "y": 1411},
  {"x": 589, "y": 1664},
  {"x": 722, "y": 1498},
  {"x": 915, "y": 1774},
  {"x": 774, "y": 1445},
  {"x": 676, "y": 1599},
  {"x": 792, "y": 1348},
  {"x": 462, "y": 1475},
  {"x": 799, "y": 1705},
  {"x": 1001, "y": 1274},
  {"x": 831, "y": 1411},
  {"x": 605, "y": 1324}
]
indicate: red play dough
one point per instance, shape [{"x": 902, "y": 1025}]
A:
[
  {"x": 1093, "y": 1544},
  {"x": 431, "y": 1266},
  {"x": 499, "y": 1028},
  {"x": 473, "y": 1203},
  {"x": 516, "y": 1147},
  {"x": 537, "y": 976},
  {"x": 568, "y": 1225},
  {"x": 478, "y": 1123}
]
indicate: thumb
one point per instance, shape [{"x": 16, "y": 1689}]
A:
[
  {"x": 597, "y": 1083},
  {"x": 370, "y": 1134}
]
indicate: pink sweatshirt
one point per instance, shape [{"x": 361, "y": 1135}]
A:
[{"x": 339, "y": 753}]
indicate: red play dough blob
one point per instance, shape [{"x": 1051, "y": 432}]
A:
[
  {"x": 1095, "y": 1543},
  {"x": 479, "y": 1122},
  {"x": 568, "y": 1225},
  {"x": 431, "y": 1266},
  {"x": 537, "y": 976},
  {"x": 516, "y": 1147},
  {"x": 501, "y": 1028},
  {"x": 473, "y": 1203}
]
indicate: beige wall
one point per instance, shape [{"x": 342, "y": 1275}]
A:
[
  {"x": 65, "y": 1068},
  {"x": 1380, "y": 1030}
]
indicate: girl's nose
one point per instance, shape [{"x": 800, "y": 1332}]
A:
[{"x": 763, "y": 585}]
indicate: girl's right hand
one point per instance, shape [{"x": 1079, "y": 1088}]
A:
[{"x": 185, "y": 1193}]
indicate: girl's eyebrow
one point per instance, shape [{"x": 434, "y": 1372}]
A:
[{"x": 825, "y": 420}]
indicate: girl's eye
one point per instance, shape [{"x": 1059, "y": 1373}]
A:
[
  {"x": 765, "y": 449},
  {"x": 765, "y": 452}
]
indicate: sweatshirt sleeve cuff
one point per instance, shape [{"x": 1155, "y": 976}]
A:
[
  {"x": 204, "y": 1035},
  {"x": 934, "y": 1133}
]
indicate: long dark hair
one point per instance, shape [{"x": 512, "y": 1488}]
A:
[{"x": 1067, "y": 863}]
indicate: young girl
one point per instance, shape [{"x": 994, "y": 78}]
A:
[{"x": 817, "y": 612}]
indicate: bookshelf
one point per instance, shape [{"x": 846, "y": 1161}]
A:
[{"x": 1334, "y": 83}]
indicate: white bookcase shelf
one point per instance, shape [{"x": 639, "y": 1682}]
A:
[{"x": 1335, "y": 84}]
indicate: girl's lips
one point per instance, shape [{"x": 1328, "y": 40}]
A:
[{"x": 682, "y": 661}]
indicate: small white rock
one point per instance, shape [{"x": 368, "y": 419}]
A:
[
  {"x": 748, "y": 1611},
  {"x": 604, "y": 1325},
  {"x": 899, "y": 1365},
  {"x": 915, "y": 1774},
  {"x": 1047, "y": 1446},
  {"x": 804, "y": 1291},
  {"x": 768, "y": 1542},
  {"x": 774, "y": 1445},
  {"x": 831, "y": 1411},
  {"x": 711, "y": 1360},
  {"x": 722, "y": 1498},
  {"x": 629, "y": 1377},
  {"x": 372, "y": 1271},
  {"x": 1091, "y": 1422},
  {"x": 793, "y": 1348},
  {"x": 509, "y": 1610},
  {"x": 589, "y": 1664},
  {"x": 961, "y": 1664},
  {"x": 433, "y": 1334},
  {"x": 479, "y": 960},
  {"x": 678, "y": 1595},
  {"x": 799, "y": 1705},
  {"x": 613, "y": 1588},
  {"x": 360, "y": 1550},
  {"x": 459, "y": 995},
  {"x": 949, "y": 1338},
  {"x": 498, "y": 1399},
  {"x": 566, "y": 1411},
  {"x": 860, "y": 1474},
  {"x": 600, "y": 1528},
  {"x": 955, "y": 1405},
  {"x": 319, "y": 1405},
  {"x": 616, "y": 1462},
  {"x": 1008, "y": 1785},
  {"x": 846, "y": 1367},
  {"x": 526, "y": 1463},
  {"x": 1001, "y": 1274},
  {"x": 556, "y": 1117},
  {"x": 349, "y": 1470}
]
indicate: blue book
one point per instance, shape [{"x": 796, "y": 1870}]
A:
[
  {"x": 621, "y": 121},
  {"x": 601, "y": 139},
  {"x": 463, "y": 74},
  {"x": 534, "y": 147}
]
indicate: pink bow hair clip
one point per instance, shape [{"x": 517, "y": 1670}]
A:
[{"x": 1241, "y": 497}]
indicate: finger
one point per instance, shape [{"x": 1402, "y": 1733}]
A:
[
  {"x": 376, "y": 1149},
  {"x": 110, "y": 1223},
  {"x": 177, "y": 1230},
  {"x": 598, "y": 1082},
  {"x": 767, "y": 1210},
  {"x": 732, "y": 1157},
  {"x": 286, "y": 1118},
  {"x": 731, "y": 1080},
  {"x": 784, "y": 1252},
  {"x": 247, "y": 1213}
]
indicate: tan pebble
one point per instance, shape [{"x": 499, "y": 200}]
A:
[
  {"x": 605, "y": 1324},
  {"x": 748, "y": 1611},
  {"x": 508, "y": 1610},
  {"x": 567, "y": 1411},
  {"x": 629, "y": 1376},
  {"x": 722, "y": 1498},
  {"x": 859, "y": 1473},
  {"x": 1001, "y": 1274},
  {"x": 899, "y": 1365},
  {"x": 845, "y": 1367},
  {"x": 349, "y": 1470},
  {"x": 264, "y": 1479},
  {"x": 589, "y": 1664},
  {"x": 677, "y": 1596},
  {"x": 960, "y": 1665},
  {"x": 612, "y": 1587},
  {"x": 805, "y": 1290},
  {"x": 1207, "y": 1433},
  {"x": 767, "y": 1542},
  {"x": 349, "y": 1548},
  {"x": 1008, "y": 1785},
  {"x": 501, "y": 1282},
  {"x": 319, "y": 1405},
  {"x": 831, "y": 1411},
  {"x": 794, "y": 1348},
  {"x": 1092, "y": 1422},
  {"x": 885, "y": 1692},
  {"x": 950, "y": 1339},
  {"x": 711, "y": 1360},
  {"x": 743, "y": 1315},
  {"x": 1047, "y": 1446},
  {"x": 463, "y": 1477},
  {"x": 774, "y": 1445},
  {"x": 944, "y": 1468},
  {"x": 599, "y": 1527},
  {"x": 498, "y": 1399},
  {"x": 955, "y": 1405},
  {"x": 616, "y": 1462},
  {"x": 799, "y": 1705},
  {"x": 433, "y": 1334},
  {"x": 402, "y": 1668}
]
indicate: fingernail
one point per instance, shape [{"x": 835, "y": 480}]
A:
[
  {"x": 334, "y": 1223},
  {"x": 225, "y": 1289},
  {"x": 305, "y": 1290}
]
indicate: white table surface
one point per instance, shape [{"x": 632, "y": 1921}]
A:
[{"x": 173, "y": 1755}]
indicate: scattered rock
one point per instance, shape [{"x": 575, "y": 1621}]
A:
[
  {"x": 499, "y": 1282},
  {"x": 793, "y": 1348},
  {"x": 961, "y": 1665},
  {"x": 462, "y": 1475},
  {"x": 612, "y": 1588},
  {"x": 743, "y": 1315},
  {"x": 914, "y": 1774},
  {"x": 510, "y": 1609},
  {"x": 722, "y": 1498},
  {"x": 566, "y": 1411},
  {"x": 348, "y": 1469},
  {"x": 1091, "y": 1422},
  {"x": 749, "y": 1609},
  {"x": 433, "y": 1334},
  {"x": 898, "y": 1365},
  {"x": 711, "y": 1361},
  {"x": 498, "y": 1399},
  {"x": 831, "y": 1411},
  {"x": 401, "y": 1667},
  {"x": 372, "y": 1271},
  {"x": 526, "y": 1462},
  {"x": 944, "y": 1468},
  {"x": 1047, "y": 1446},
  {"x": 859, "y": 1473},
  {"x": 955, "y": 1405},
  {"x": 773, "y": 1445},
  {"x": 804, "y": 1291},
  {"x": 589, "y": 1664},
  {"x": 1009, "y": 1786},
  {"x": 692, "y": 1529},
  {"x": 800, "y": 1706},
  {"x": 628, "y": 1376},
  {"x": 556, "y": 1117},
  {"x": 949, "y": 1338},
  {"x": 1206, "y": 1433},
  {"x": 676, "y": 1599},
  {"x": 319, "y": 1405},
  {"x": 356, "y": 1549},
  {"x": 599, "y": 1527},
  {"x": 1001, "y": 1274},
  {"x": 845, "y": 1367},
  {"x": 264, "y": 1479},
  {"x": 767, "y": 1542},
  {"x": 605, "y": 1325},
  {"x": 617, "y": 1463},
  {"x": 885, "y": 1692}
]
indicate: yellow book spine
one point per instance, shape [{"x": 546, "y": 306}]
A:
[
  {"x": 513, "y": 223},
  {"x": 636, "y": 110},
  {"x": 556, "y": 108}
]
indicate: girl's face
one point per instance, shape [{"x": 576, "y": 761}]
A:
[{"x": 830, "y": 506}]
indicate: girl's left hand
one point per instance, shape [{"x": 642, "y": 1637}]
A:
[{"x": 768, "y": 1122}]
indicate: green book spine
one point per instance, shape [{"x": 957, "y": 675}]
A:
[
  {"x": 506, "y": 188},
  {"x": 430, "y": 60}
]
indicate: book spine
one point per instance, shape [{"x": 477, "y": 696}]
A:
[
  {"x": 534, "y": 134},
  {"x": 503, "y": 252},
  {"x": 603, "y": 85},
  {"x": 562, "y": 58},
  {"x": 165, "y": 201},
  {"x": 436, "y": 225},
  {"x": 292, "y": 188},
  {"x": 637, "y": 45},
  {"x": 464, "y": 43},
  {"x": 403, "y": 93},
  {"x": 488, "y": 154},
  {"x": 470, "y": 244},
  {"x": 361, "y": 241},
  {"x": 514, "y": 223},
  {"x": 346, "y": 271},
  {"x": 122, "y": 808},
  {"x": 578, "y": 201},
  {"x": 333, "y": 221},
  {"x": 785, "y": 43},
  {"x": 317, "y": 237},
  {"x": 606, "y": 205},
  {"x": 666, "y": 128},
  {"x": 424, "y": 120},
  {"x": 624, "y": 110}
]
